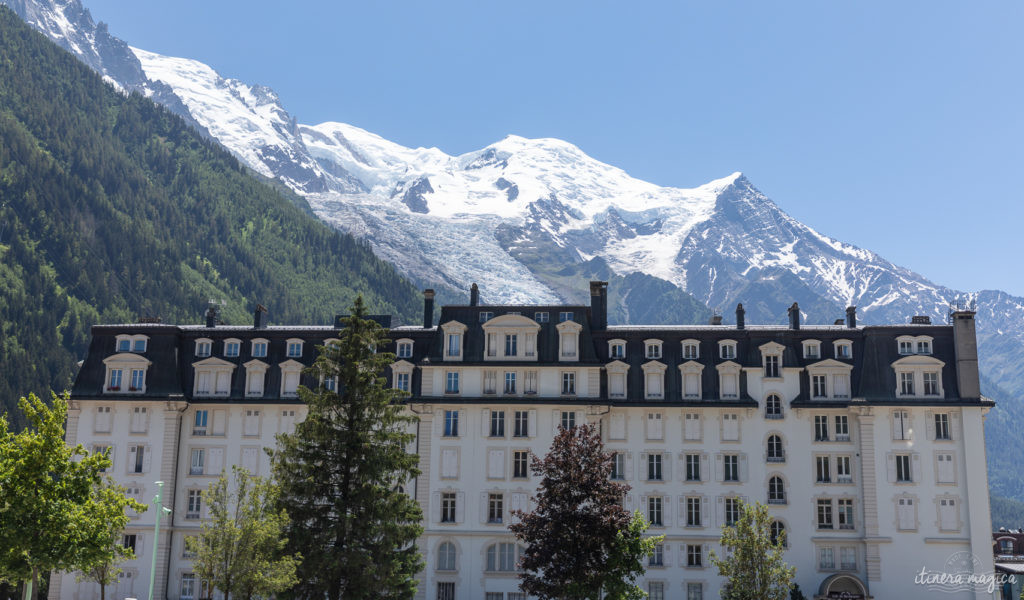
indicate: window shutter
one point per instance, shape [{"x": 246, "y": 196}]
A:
[
  {"x": 438, "y": 422},
  {"x": 744, "y": 475},
  {"x": 618, "y": 427},
  {"x": 643, "y": 466},
  {"x": 251, "y": 460},
  {"x": 435, "y": 501},
  {"x": 556, "y": 420},
  {"x": 581, "y": 417},
  {"x": 890, "y": 461},
  {"x": 666, "y": 466},
  {"x": 628, "y": 462},
  {"x": 216, "y": 460},
  {"x": 667, "y": 548},
  {"x": 628, "y": 502},
  {"x": 929, "y": 425},
  {"x": 681, "y": 467},
  {"x": 954, "y": 425},
  {"x": 483, "y": 507},
  {"x": 462, "y": 422},
  {"x": 460, "y": 507},
  {"x": 681, "y": 511},
  {"x": 719, "y": 468},
  {"x": 896, "y": 425},
  {"x": 720, "y": 511},
  {"x": 485, "y": 418},
  {"x": 146, "y": 459},
  {"x": 704, "y": 469},
  {"x": 704, "y": 513},
  {"x": 496, "y": 464},
  {"x": 131, "y": 458},
  {"x": 666, "y": 507},
  {"x": 449, "y": 463},
  {"x": 218, "y": 422},
  {"x": 531, "y": 424}
]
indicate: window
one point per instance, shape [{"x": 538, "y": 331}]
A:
[
  {"x": 501, "y": 557},
  {"x": 331, "y": 383},
  {"x": 259, "y": 349},
  {"x": 198, "y": 458},
  {"x": 194, "y": 505},
  {"x": 114, "y": 380},
  {"x": 821, "y": 428},
  {"x": 656, "y": 590},
  {"x": 822, "y": 469},
  {"x": 906, "y": 384},
  {"x": 818, "y": 389},
  {"x": 773, "y": 407},
  {"x": 848, "y": 558},
  {"x": 842, "y": 428},
  {"x": 232, "y": 348},
  {"x": 401, "y": 381},
  {"x": 541, "y": 317},
  {"x": 452, "y": 383},
  {"x": 138, "y": 381},
  {"x": 812, "y": 350},
  {"x": 103, "y": 449},
  {"x": 294, "y": 349},
  {"x": 843, "y": 350},
  {"x": 775, "y": 451},
  {"x": 778, "y": 534},
  {"x": 931, "y": 383},
  {"x": 727, "y": 350},
  {"x": 730, "y": 427},
  {"x": 826, "y": 558},
  {"x": 1006, "y": 546},
  {"x": 497, "y": 423},
  {"x": 203, "y": 347},
  {"x": 771, "y": 365},
  {"x": 451, "y": 423},
  {"x": 654, "y": 467},
  {"x": 495, "y": 508},
  {"x": 824, "y": 514},
  {"x": 486, "y": 316},
  {"x": 136, "y": 458},
  {"x": 565, "y": 316},
  {"x": 446, "y": 557},
  {"x": 776, "y": 491},
  {"x": 103, "y": 420},
  {"x": 569, "y": 383},
  {"x": 448, "y": 507},
  {"x": 732, "y": 511},
  {"x": 655, "y": 431},
  {"x": 454, "y": 346},
  {"x": 693, "y": 467},
  {"x": 520, "y": 460},
  {"x": 657, "y": 558},
  {"x": 691, "y": 427},
  {"x": 617, "y": 350},
  {"x": 901, "y": 425},
  {"x": 843, "y": 472},
  {"x": 942, "y": 426},
  {"x": 405, "y": 350},
  {"x": 694, "y": 591},
  {"x": 845, "y": 510},
  {"x": 652, "y": 349},
  {"x": 531, "y": 383},
  {"x": 521, "y": 425},
  {"x": 906, "y": 514},
  {"x": 693, "y": 511},
  {"x": 906, "y": 347},
  {"x": 731, "y": 467},
  {"x": 691, "y": 350},
  {"x": 490, "y": 382},
  {"x": 618, "y": 466},
  {"x": 251, "y": 423},
  {"x": 510, "y": 382},
  {"x": 924, "y": 347},
  {"x": 903, "y": 474},
  {"x": 124, "y": 345},
  {"x": 694, "y": 555},
  {"x": 568, "y": 419},
  {"x": 201, "y": 420},
  {"x": 654, "y": 511},
  {"x": 188, "y": 586},
  {"x": 446, "y": 590},
  {"x": 946, "y": 470}
]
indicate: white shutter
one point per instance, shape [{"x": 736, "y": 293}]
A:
[
  {"x": 616, "y": 384},
  {"x": 719, "y": 468},
  {"x": 449, "y": 463},
  {"x": 496, "y": 464},
  {"x": 681, "y": 511},
  {"x": 720, "y": 511},
  {"x": 218, "y": 422},
  {"x": 581, "y": 417},
  {"x": 704, "y": 513},
  {"x": 556, "y": 420},
  {"x": 435, "y": 502},
  {"x": 744, "y": 474},
  {"x": 462, "y": 422},
  {"x": 666, "y": 466},
  {"x": 251, "y": 460},
  {"x": 929, "y": 425},
  {"x": 666, "y": 517},
  {"x": 954, "y": 425},
  {"x": 681, "y": 467},
  {"x": 460, "y": 507},
  {"x": 485, "y": 418},
  {"x": 890, "y": 461},
  {"x": 729, "y": 385},
  {"x": 131, "y": 459},
  {"x": 203, "y": 385},
  {"x": 692, "y": 385},
  {"x": 617, "y": 427},
  {"x": 947, "y": 469},
  {"x": 705, "y": 469},
  {"x": 483, "y": 507},
  {"x": 897, "y": 427},
  {"x": 146, "y": 458},
  {"x": 223, "y": 382},
  {"x": 216, "y": 462},
  {"x": 628, "y": 462}
]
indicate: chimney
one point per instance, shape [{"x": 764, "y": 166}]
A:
[
  {"x": 474, "y": 295},
  {"x": 839, "y": 322},
  {"x": 741, "y": 316},
  {"x": 794, "y": 316},
  {"x": 599, "y": 304},
  {"x": 851, "y": 317},
  {"x": 260, "y": 317},
  {"x": 428, "y": 308},
  {"x": 211, "y": 315},
  {"x": 965, "y": 343},
  {"x": 920, "y": 320},
  {"x": 716, "y": 319}
]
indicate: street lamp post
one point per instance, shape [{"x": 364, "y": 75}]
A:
[{"x": 158, "y": 504}]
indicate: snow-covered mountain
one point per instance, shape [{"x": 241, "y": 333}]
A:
[{"x": 530, "y": 220}]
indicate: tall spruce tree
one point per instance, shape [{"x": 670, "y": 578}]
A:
[
  {"x": 581, "y": 544},
  {"x": 342, "y": 474}
]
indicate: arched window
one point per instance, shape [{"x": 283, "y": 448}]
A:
[
  {"x": 778, "y": 534},
  {"x": 446, "y": 557},
  {"x": 773, "y": 407},
  {"x": 775, "y": 451},
  {"x": 501, "y": 557},
  {"x": 776, "y": 491}
]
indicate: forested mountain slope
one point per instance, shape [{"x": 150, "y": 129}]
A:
[{"x": 112, "y": 208}]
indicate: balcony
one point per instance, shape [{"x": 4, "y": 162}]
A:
[
  {"x": 842, "y": 437},
  {"x": 773, "y": 416},
  {"x": 777, "y": 501},
  {"x": 192, "y": 515},
  {"x": 844, "y": 479},
  {"x": 776, "y": 459}
]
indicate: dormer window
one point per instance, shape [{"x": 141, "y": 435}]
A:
[
  {"x": 654, "y": 380},
  {"x": 511, "y": 344},
  {"x": 617, "y": 373},
  {"x": 510, "y": 337},
  {"x": 924, "y": 347},
  {"x": 565, "y": 316},
  {"x": 232, "y": 348},
  {"x": 909, "y": 344},
  {"x": 906, "y": 347},
  {"x": 291, "y": 373},
  {"x": 541, "y": 317},
  {"x": 486, "y": 316},
  {"x": 124, "y": 345},
  {"x": 139, "y": 345},
  {"x": 294, "y": 348},
  {"x": 691, "y": 375},
  {"x": 652, "y": 349},
  {"x": 843, "y": 349},
  {"x": 126, "y": 373},
  {"x": 568, "y": 340},
  {"x": 259, "y": 348},
  {"x": 812, "y": 349},
  {"x": 691, "y": 349},
  {"x": 617, "y": 349},
  {"x": 453, "y": 332},
  {"x": 404, "y": 349},
  {"x": 114, "y": 377},
  {"x": 204, "y": 347},
  {"x": 727, "y": 349},
  {"x": 132, "y": 343}
]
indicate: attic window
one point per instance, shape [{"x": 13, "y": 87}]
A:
[
  {"x": 259, "y": 348},
  {"x": 486, "y": 316},
  {"x": 204, "y": 347},
  {"x": 727, "y": 349},
  {"x": 812, "y": 349},
  {"x": 843, "y": 349},
  {"x": 232, "y": 348},
  {"x": 616, "y": 349},
  {"x": 691, "y": 350},
  {"x": 652, "y": 349},
  {"x": 405, "y": 349},
  {"x": 565, "y": 316},
  {"x": 132, "y": 343},
  {"x": 924, "y": 347},
  {"x": 540, "y": 317},
  {"x": 294, "y": 348}
]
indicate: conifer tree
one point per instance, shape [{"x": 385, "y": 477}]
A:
[
  {"x": 581, "y": 544},
  {"x": 343, "y": 472},
  {"x": 752, "y": 565}
]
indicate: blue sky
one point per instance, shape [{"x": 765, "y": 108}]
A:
[{"x": 895, "y": 126}]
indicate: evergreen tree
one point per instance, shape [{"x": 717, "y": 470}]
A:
[
  {"x": 342, "y": 474},
  {"x": 240, "y": 548},
  {"x": 581, "y": 544},
  {"x": 753, "y": 565},
  {"x": 55, "y": 513}
]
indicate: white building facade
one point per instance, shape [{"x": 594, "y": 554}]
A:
[{"x": 866, "y": 442}]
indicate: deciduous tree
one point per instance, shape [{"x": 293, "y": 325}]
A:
[
  {"x": 343, "y": 471},
  {"x": 579, "y": 539},
  {"x": 752, "y": 565},
  {"x": 101, "y": 564}
]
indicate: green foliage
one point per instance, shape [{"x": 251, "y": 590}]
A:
[
  {"x": 241, "y": 547},
  {"x": 112, "y": 208},
  {"x": 580, "y": 542},
  {"x": 752, "y": 566},
  {"x": 1006, "y": 512},
  {"x": 796, "y": 594},
  {"x": 55, "y": 512},
  {"x": 342, "y": 472},
  {"x": 102, "y": 566}
]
